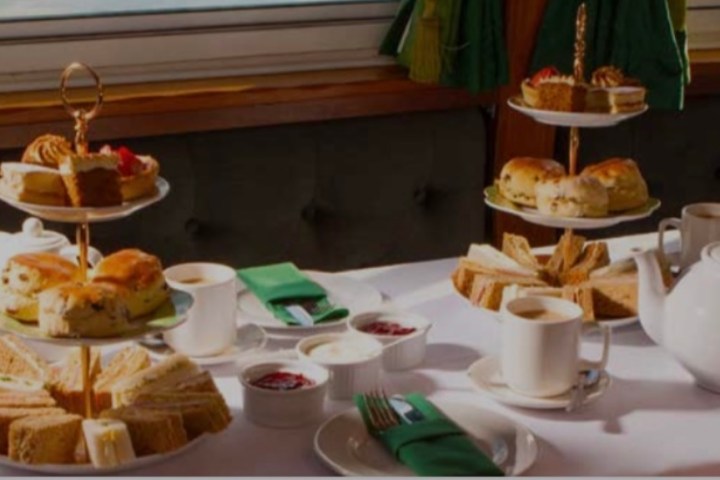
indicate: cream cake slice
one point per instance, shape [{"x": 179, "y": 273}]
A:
[
  {"x": 30, "y": 183},
  {"x": 92, "y": 180}
]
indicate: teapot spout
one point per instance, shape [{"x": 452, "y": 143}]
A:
[{"x": 651, "y": 295}]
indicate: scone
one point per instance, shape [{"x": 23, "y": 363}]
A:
[
  {"x": 572, "y": 196},
  {"x": 520, "y": 175},
  {"x": 141, "y": 277},
  {"x": 83, "y": 310},
  {"x": 28, "y": 274},
  {"x": 47, "y": 150},
  {"x": 625, "y": 184},
  {"x": 137, "y": 173},
  {"x": 30, "y": 183},
  {"x": 92, "y": 180}
]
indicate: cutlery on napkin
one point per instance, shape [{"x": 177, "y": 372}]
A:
[
  {"x": 421, "y": 437},
  {"x": 290, "y": 295}
]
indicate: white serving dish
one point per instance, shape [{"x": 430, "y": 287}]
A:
[
  {"x": 573, "y": 119},
  {"x": 283, "y": 409},
  {"x": 90, "y": 214},
  {"x": 400, "y": 352},
  {"x": 495, "y": 200},
  {"x": 346, "y": 377}
]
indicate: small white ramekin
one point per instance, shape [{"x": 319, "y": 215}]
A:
[
  {"x": 283, "y": 409},
  {"x": 401, "y": 352},
  {"x": 347, "y": 378}
]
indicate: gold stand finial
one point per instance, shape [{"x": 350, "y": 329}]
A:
[
  {"x": 579, "y": 58},
  {"x": 82, "y": 117}
]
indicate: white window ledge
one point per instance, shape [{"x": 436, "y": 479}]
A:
[{"x": 188, "y": 45}]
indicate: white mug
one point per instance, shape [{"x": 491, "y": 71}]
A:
[
  {"x": 210, "y": 328},
  {"x": 541, "y": 358},
  {"x": 700, "y": 225}
]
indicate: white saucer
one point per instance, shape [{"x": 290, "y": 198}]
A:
[
  {"x": 344, "y": 445},
  {"x": 250, "y": 337},
  {"x": 573, "y": 119},
  {"x": 487, "y": 379}
]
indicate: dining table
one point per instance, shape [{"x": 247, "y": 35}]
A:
[{"x": 652, "y": 420}]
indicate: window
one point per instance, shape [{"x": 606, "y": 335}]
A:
[
  {"x": 137, "y": 40},
  {"x": 703, "y": 24}
]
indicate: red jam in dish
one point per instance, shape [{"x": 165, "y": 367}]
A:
[
  {"x": 387, "y": 328},
  {"x": 283, "y": 381}
]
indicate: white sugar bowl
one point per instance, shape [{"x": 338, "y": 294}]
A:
[
  {"x": 353, "y": 361},
  {"x": 403, "y": 335},
  {"x": 35, "y": 239},
  {"x": 286, "y": 408}
]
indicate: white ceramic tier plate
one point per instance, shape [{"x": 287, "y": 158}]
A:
[
  {"x": 250, "y": 338},
  {"x": 573, "y": 119},
  {"x": 608, "y": 322},
  {"x": 486, "y": 378},
  {"x": 90, "y": 214},
  {"x": 88, "y": 469},
  {"x": 168, "y": 316},
  {"x": 344, "y": 445},
  {"x": 355, "y": 295},
  {"x": 494, "y": 199}
]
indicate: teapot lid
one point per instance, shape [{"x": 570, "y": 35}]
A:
[
  {"x": 711, "y": 254},
  {"x": 34, "y": 237}
]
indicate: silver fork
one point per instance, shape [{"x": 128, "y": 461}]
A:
[{"x": 380, "y": 413}]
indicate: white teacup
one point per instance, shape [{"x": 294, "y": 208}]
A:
[
  {"x": 210, "y": 328},
  {"x": 541, "y": 357},
  {"x": 699, "y": 225}
]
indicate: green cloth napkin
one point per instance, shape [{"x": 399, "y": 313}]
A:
[
  {"x": 472, "y": 50},
  {"x": 434, "y": 447},
  {"x": 281, "y": 284},
  {"x": 637, "y": 36}
]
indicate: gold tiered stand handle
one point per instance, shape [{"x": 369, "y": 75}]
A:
[{"x": 82, "y": 122}]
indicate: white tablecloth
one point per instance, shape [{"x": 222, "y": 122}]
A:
[{"x": 652, "y": 421}]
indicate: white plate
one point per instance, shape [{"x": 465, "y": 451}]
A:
[
  {"x": 168, "y": 316},
  {"x": 486, "y": 378},
  {"x": 88, "y": 469},
  {"x": 573, "y": 119},
  {"x": 609, "y": 322},
  {"x": 494, "y": 199},
  {"x": 344, "y": 445},
  {"x": 90, "y": 214},
  {"x": 352, "y": 294},
  {"x": 250, "y": 338}
]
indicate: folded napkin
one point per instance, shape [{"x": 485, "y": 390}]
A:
[
  {"x": 283, "y": 284},
  {"x": 433, "y": 447}
]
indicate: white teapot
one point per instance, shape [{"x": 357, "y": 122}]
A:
[
  {"x": 686, "y": 319},
  {"x": 34, "y": 238}
]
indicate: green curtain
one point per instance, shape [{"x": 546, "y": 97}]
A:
[
  {"x": 466, "y": 50},
  {"x": 645, "y": 38}
]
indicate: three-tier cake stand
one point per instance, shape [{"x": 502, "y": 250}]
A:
[
  {"x": 168, "y": 316},
  {"x": 574, "y": 121}
]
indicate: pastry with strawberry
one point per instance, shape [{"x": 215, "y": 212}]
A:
[
  {"x": 137, "y": 173},
  {"x": 548, "y": 89}
]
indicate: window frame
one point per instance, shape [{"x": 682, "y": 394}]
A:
[{"x": 138, "y": 48}]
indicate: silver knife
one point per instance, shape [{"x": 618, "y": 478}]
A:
[
  {"x": 300, "y": 315},
  {"x": 405, "y": 410}
]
